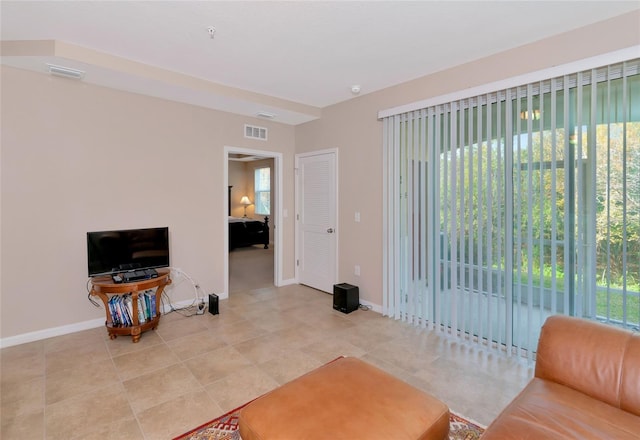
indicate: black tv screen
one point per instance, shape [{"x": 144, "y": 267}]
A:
[{"x": 110, "y": 252}]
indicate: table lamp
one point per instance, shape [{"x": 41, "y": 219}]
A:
[{"x": 246, "y": 202}]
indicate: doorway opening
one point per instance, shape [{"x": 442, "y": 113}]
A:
[{"x": 253, "y": 251}]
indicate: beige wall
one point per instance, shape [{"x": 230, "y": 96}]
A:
[
  {"x": 352, "y": 127},
  {"x": 238, "y": 179},
  {"x": 78, "y": 158}
]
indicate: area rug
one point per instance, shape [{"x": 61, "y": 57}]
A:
[{"x": 225, "y": 427}]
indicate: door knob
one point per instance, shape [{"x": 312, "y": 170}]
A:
[{"x": 330, "y": 230}]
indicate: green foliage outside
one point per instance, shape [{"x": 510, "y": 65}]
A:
[
  {"x": 613, "y": 297},
  {"x": 585, "y": 188}
]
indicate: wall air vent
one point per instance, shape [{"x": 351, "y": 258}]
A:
[{"x": 254, "y": 132}]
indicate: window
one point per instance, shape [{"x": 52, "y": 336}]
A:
[
  {"x": 505, "y": 208},
  {"x": 262, "y": 180}
]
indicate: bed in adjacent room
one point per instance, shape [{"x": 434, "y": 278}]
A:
[{"x": 245, "y": 231}]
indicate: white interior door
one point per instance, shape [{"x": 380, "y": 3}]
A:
[{"x": 317, "y": 260}]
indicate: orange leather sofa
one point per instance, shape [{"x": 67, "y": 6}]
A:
[{"x": 586, "y": 386}]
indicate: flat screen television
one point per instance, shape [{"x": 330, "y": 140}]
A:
[{"x": 111, "y": 252}]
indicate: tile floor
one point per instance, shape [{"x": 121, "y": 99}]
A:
[{"x": 192, "y": 369}]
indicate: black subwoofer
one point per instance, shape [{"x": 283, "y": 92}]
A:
[
  {"x": 213, "y": 304},
  {"x": 345, "y": 297}
]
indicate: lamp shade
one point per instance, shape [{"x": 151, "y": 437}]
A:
[{"x": 245, "y": 200}]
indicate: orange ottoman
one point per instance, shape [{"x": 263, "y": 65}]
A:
[{"x": 345, "y": 399}]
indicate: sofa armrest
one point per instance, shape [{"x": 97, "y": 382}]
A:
[
  {"x": 590, "y": 357},
  {"x": 630, "y": 383}
]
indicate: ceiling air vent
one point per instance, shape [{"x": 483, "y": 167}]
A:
[
  {"x": 253, "y": 132},
  {"x": 66, "y": 72}
]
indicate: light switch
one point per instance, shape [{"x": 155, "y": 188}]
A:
[{"x": 357, "y": 216}]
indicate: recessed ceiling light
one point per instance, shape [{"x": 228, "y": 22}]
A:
[
  {"x": 355, "y": 89},
  {"x": 66, "y": 72}
]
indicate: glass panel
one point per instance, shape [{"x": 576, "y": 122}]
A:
[
  {"x": 262, "y": 184},
  {"x": 618, "y": 205},
  {"x": 517, "y": 205}
]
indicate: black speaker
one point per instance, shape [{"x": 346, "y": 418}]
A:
[
  {"x": 345, "y": 297},
  {"x": 213, "y": 304}
]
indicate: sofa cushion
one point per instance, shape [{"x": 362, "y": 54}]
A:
[{"x": 547, "y": 410}]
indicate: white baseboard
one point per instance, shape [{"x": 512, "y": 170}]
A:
[
  {"x": 70, "y": 328},
  {"x": 374, "y": 307},
  {"x": 166, "y": 308},
  {"x": 51, "y": 332},
  {"x": 288, "y": 282}
]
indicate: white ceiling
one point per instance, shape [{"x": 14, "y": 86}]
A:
[{"x": 288, "y": 58}]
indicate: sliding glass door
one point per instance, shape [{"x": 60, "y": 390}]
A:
[{"x": 505, "y": 208}]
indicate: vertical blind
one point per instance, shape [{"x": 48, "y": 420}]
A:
[{"x": 505, "y": 208}]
